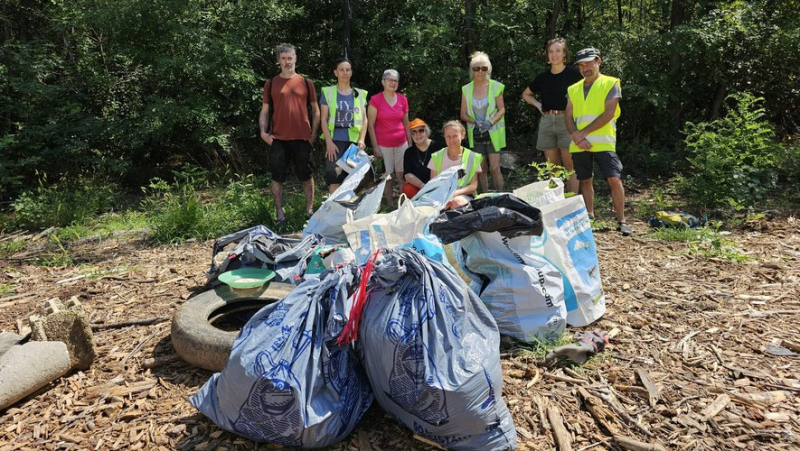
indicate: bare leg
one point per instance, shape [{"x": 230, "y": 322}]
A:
[
  {"x": 588, "y": 196},
  {"x": 277, "y": 194},
  {"x": 618, "y": 197},
  {"x": 333, "y": 187},
  {"x": 566, "y": 158},
  {"x": 483, "y": 177},
  {"x": 308, "y": 190},
  {"x": 401, "y": 180},
  {"x": 553, "y": 156},
  {"x": 497, "y": 174}
]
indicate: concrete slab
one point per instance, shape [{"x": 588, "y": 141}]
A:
[
  {"x": 28, "y": 367},
  {"x": 7, "y": 340},
  {"x": 68, "y": 324}
]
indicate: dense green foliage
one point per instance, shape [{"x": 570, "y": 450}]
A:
[
  {"x": 131, "y": 90},
  {"x": 734, "y": 159}
]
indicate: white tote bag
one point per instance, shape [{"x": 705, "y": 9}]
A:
[
  {"x": 567, "y": 241},
  {"x": 541, "y": 193}
]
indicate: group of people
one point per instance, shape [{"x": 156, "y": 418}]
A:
[{"x": 579, "y": 108}]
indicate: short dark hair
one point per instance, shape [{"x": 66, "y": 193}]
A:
[
  {"x": 284, "y": 48},
  {"x": 342, "y": 60}
]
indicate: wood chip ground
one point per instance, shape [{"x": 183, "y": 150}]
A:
[{"x": 688, "y": 367}]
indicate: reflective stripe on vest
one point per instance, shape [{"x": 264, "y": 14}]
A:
[
  {"x": 359, "y": 105},
  {"x": 497, "y": 134},
  {"x": 587, "y": 109},
  {"x": 470, "y": 160}
]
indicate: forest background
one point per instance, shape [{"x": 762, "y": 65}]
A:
[{"x": 111, "y": 94}]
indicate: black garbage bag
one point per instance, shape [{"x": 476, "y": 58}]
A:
[{"x": 505, "y": 213}]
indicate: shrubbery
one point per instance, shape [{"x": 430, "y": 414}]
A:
[{"x": 734, "y": 160}]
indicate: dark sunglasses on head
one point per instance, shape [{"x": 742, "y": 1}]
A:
[{"x": 480, "y": 69}]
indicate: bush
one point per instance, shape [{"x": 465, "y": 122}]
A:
[
  {"x": 63, "y": 203},
  {"x": 733, "y": 159}
]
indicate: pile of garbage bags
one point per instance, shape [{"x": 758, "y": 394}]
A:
[{"x": 380, "y": 313}]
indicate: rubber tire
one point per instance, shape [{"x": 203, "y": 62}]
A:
[{"x": 201, "y": 344}]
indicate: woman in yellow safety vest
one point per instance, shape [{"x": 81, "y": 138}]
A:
[
  {"x": 483, "y": 109},
  {"x": 453, "y": 155},
  {"x": 344, "y": 121}
]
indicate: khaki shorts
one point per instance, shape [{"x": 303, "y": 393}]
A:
[
  {"x": 393, "y": 158},
  {"x": 553, "y": 133}
]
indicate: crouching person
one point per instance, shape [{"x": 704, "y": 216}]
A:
[{"x": 453, "y": 155}]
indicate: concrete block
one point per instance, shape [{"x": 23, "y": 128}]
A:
[
  {"x": 7, "y": 340},
  {"x": 68, "y": 324},
  {"x": 28, "y": 367}
]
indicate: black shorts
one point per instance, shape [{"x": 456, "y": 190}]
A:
[
  {"x": 609, "y": 163},
  {"x": 297, "y": 152},
  {"x": 334, "y": 175}
]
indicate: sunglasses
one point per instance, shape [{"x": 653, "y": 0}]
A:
[
  {"x": 418, "y": 131},
  {"x": 480, "y": 69}
]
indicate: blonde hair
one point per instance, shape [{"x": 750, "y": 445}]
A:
[
  {"x": 479, "y": 57},
  {"x": 454, "y": 124}
]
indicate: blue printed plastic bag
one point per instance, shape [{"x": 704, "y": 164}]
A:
[
  {"x": 431, "y": 351},
  {"x": 287, "y": 381}
]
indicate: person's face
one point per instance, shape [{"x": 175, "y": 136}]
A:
[
  {"x": 287, "y": 60},
  {"x": 556, "y": 53},
  {"x": 343, "y": 72},
  {"x": 418, "y": 135},
  {"x": 453, "y": 137},
  {"x": 391, "y": 83},
  {"x": 480, "y": 70},
  {"x": 589, "y": 69}
]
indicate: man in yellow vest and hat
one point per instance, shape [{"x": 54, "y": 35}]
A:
[{"x": 591, "y": 119}]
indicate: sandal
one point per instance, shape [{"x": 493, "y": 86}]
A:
[{"x": 625, "y": 229}]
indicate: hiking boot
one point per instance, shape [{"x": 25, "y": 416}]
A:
[{"x": 625, "y": 229}]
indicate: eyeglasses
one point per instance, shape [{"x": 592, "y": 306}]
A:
[
  {"x": 480, "y": 69},
  {"x": 391, "y": 80},
  {"x": 418, "y": 131}
]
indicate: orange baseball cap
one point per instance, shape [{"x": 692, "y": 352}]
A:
[{"x": 416, "y": 123}]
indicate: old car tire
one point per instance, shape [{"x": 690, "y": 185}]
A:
[{"x": 197, "y": 340}]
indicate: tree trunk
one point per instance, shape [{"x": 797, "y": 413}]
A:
[
  {"x": 619, "y": 12},
  {"x": 347, "y": 16},
  {"x": 677, "y": 14},
  {"x": 574, "y": 14},
  {"x": 551, "y": 24},
  {"x": 468, "y": 31},
  {"x": 719, "y": 99}
]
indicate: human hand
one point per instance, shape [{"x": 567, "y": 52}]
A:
[
  {"x": 377, "y": 151},
  {"x": 578, "y": 136},
  {"x": 361, "y": 145},
  {"x": 330, "y": 150},
  {"x": 484, "y": 126},
  {"x": 267, "y": 138},
  {"x": 584, "y": 144}
]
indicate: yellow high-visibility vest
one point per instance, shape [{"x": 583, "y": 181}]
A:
[
  {"x": 497, "y": 134},
  {"x": 585, "y": 110},
  {"x": 469, "y": 159},
  {"x": 359, "y": 107}
]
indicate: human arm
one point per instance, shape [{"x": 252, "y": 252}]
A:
[
  {"x": 573, "y": 129},
  {"x": 362, "y": 136},
  {"x": 372, "y": 115},
  {"x": 330, "y": 146},
  {"x": 263, "y": 117},
  {"x": 408, "y": 130},
  {"x": 409, "y": 167},
  {"x": 501, "y": 109},
  {"x": 457, "y": 200},
  {"x": 314, "y": 121},
  {"x": 464, "y": 116},
  {"x": 527, "y": 97}
]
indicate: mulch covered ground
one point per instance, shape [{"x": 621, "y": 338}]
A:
[{"x": 690, "y": 364}]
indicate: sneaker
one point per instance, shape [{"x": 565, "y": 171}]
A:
[{"x": 625, "y": 229}]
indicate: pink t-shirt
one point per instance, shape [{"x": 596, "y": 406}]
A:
[{"x": 389, "y": 129}]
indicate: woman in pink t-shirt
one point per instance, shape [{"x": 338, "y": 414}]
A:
[{"x": 387, "y": 116}]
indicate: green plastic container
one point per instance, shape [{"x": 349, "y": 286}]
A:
[{"x": 245, "y": 278}]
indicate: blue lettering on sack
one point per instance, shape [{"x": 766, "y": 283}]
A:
[
  {"x": 277, "y": 316},
  {"x": 490, "y": 400},
  {"x": 446, "y": 440}
]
